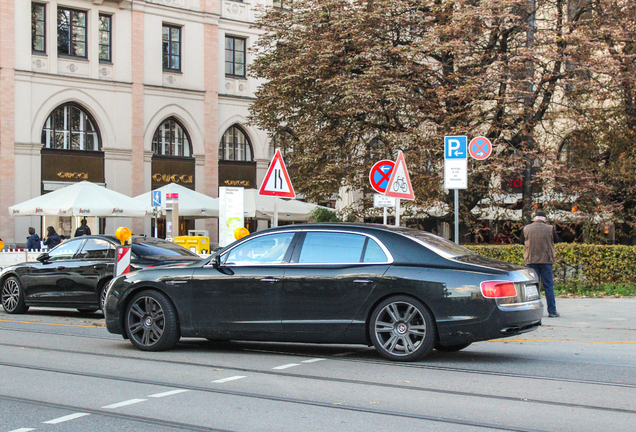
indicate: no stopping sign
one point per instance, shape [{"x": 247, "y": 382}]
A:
[{"x": 380, "y": 174}]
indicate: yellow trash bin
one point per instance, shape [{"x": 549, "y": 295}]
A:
[{"x": 196, "y": 244}]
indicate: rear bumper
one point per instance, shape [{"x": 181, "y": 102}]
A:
[{"x": 504, "y": 321}]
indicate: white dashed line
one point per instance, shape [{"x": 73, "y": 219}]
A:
[
  {"x": 22, "y": 430},
  {"x": 286, "y": 366},
  {"x": 313, "y": 360},
  {"x": 124, "y": 403},
  {"x": 232, "y": 378},
  {"x": 65, "y": 418},
  {"x": 168, "y": 393}
]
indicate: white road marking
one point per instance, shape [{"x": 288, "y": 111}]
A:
[
  {"x": 168, "y": 393},
  {"x": 232, "y": 378},
  {"x": 313, "y": 360},
  {"x": 66, "y": 418},
  {"x": 286, "y": 366},
  {"x": 124, "y": 403},
  {"x": 22, "y": 430}
]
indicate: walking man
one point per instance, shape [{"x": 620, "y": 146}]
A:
[{"x": 538, "y": 239}]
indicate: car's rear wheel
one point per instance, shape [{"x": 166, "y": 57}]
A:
[
  {"x": 13, "y": 296},
  {"x": 102, "y": 298},
  {"x": 451, "y": 348},
  {"x": 402, "y": 329},
  {"x": 151, "y": 322}
]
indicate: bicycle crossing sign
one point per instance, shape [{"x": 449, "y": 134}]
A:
[
  {"x": 399, "y": 185},
  {"x": 277, "y": 182}
]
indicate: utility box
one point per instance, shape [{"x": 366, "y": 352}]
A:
[
  {"x": 197, "y": 244},
  {"x": 204, "y": 233}
]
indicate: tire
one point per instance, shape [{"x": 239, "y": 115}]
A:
[
  {"x": 402, "y": 329},
  {"x": 13, "y": 296},
  {"x": 452, "y": 348},
  {"x": 102, "y": 297},
  {"x": 151, "y": 322},
  {"x": 87, "y": 310}
]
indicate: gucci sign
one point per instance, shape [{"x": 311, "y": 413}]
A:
[
  {"x": 172, "y": 178},
  {"x": 70, "y": 175}
]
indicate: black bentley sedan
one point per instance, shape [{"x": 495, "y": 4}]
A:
[
  {"x": 74, "y": 274},
  {"x": 403, "y": 291}
]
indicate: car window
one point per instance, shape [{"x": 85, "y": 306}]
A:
[
  {"x": 374, "y": 253},
  {"x": 267, "y": 249},
  {"x": 438, "y": 244},
  {"x": 331, "y": 248},
  {"x": 65, "y": 251},
  {"x": 158, "y": 248},
  {"x": 97, "y": 249}
]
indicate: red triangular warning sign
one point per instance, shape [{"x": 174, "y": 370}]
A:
[
  {"x": 277, "y": 181},
  {"x": 399, "y": 185}
]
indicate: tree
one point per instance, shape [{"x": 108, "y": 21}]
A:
[{"x": 341, "y": 76}]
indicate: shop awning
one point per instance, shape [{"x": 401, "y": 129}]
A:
[
  {"x": 262, "y": 207},
  {"x": 81, "y": 199}
]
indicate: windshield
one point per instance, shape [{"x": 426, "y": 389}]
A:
[
  {"x": 439, "y": 244},
  {"x": 154, "y": 248}
]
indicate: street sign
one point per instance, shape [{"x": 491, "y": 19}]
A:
[
  {"x": 380, "y": 200},
  {"x": 480, "y": 148},
  {"x": 156, "y": 198},
  {"x": 455, "y": 147},
  {"x": 456, "y": 174},
  {"x": 277, "y": 182},
  {"x": 380, "y": 174},
  {"x": 399, "y": 185}
]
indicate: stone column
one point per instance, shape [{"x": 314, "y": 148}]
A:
[
  {"x": 211, "y": 140},
  {"x": 137, "y": 125},
  {"x": 7, "y": 116}
]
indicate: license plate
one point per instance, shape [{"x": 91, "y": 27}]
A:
[{"x": 532, "y": 292}]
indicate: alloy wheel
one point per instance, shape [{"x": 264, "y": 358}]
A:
[
  {"x": 10, "y": 295},
  {"x": 146, "y": 321},
  {"x": 400, "y": 328}
]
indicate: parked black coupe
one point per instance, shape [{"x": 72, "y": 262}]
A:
[
  {"x": 74, "y": 274},
  {"x": 402, "y": 290}
]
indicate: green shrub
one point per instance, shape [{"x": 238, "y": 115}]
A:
[{"x": 580, "y": 268}]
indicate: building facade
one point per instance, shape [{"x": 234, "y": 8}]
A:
[{"x": 131, "y": 94}]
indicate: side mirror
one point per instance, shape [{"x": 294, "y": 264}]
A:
[
  {"x": 215, "y": 261},
  {"x": 43, "y": 257}
]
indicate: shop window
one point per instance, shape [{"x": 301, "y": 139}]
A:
[
  {"x": 235, "y": 145},
  {"x": 171, "y": 139},
  {"x": 38, "y": 28},
  {"x": 105, "y": 38},
  {"x": 71, "y": 32},
  {"x": 235, "y": 56},
  {"x": 171, "y": 48},
  {"x": 69, "y": 127}
]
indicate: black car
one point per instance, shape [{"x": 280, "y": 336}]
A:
[
  {"x": 75, "y": 273},
  {"x": 404, "y": 291}
]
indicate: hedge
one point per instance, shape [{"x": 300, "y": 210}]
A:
[{"x": 580, "y": 268}]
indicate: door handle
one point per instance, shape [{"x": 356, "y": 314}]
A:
[
  {"x": 363, "y": 281},
  {"x": 60, "y": 268},
  {"x": 270, "y": 280},
  {"x": 175, "y": 282},
  {"x": 99, "y": 266}
]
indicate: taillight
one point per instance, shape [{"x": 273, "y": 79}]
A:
[{"x": 498, "y": 289}]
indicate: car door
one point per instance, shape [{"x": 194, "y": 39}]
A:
[
  {"x": 53, "y": 280},
  {"x": 329, "y": 279},
  {"x": 95, "y": 261},
  {"x": 242, "y": 293}
]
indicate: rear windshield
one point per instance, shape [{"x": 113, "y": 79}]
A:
[
  {"x": 154, "y": 248},
  {"x": 439, "y": 244}
]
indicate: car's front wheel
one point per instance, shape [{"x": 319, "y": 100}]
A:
[
  {"x": 151, "y": 321},
  {"x": 402, "y": 329},
  {"x": 13, "y": 296}
]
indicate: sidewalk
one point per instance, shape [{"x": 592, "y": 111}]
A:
[{"x": 589, "y": 319}]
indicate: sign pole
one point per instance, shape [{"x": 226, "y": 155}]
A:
[
  {"x": 457, "y": 216},
  {"x": 275, "y": 211},
  {"x": 397, "y": 212},
  {"x": 385, "y": 214}
]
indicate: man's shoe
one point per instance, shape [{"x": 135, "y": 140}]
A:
[{"x": 554, "y": 315}]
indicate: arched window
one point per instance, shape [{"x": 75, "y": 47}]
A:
[
  {"x": 235, "y": 145},
  {"x": 69, "y": 127},
  {"x": 171, "y": 139}
]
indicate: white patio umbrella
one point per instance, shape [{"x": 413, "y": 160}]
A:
[
  {"x": 191, "y": 203},
  {"x": 261, "y": 207},
  {"x": 81, "y": 199}
]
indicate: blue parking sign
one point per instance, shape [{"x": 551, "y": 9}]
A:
[{"x": 455, "y": 147}]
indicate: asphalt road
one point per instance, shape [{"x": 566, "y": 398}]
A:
[{"x": 62, "y": 371}]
